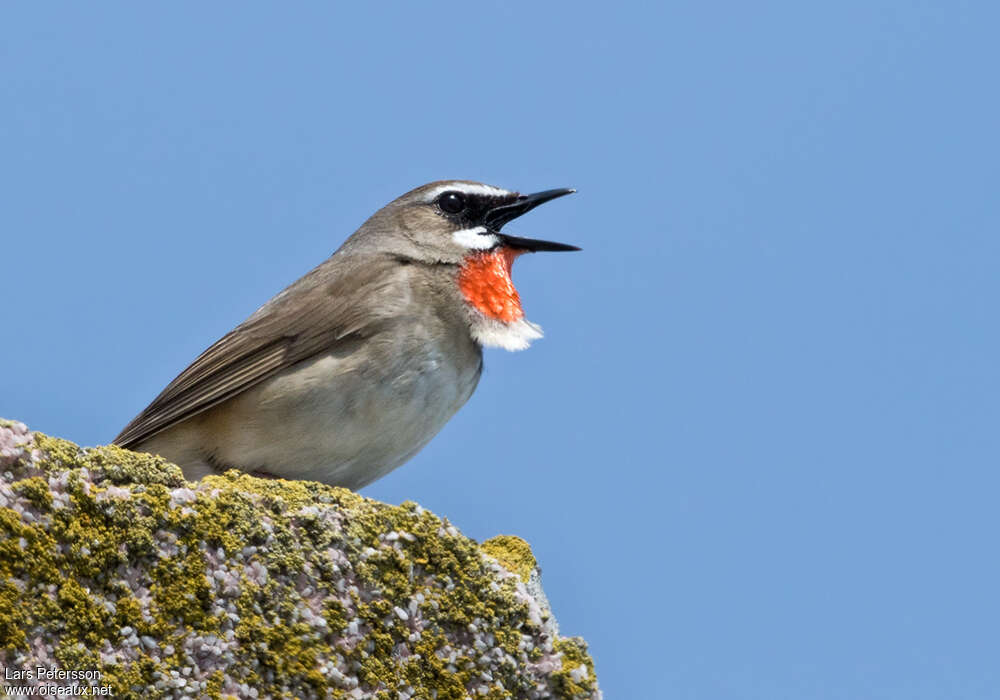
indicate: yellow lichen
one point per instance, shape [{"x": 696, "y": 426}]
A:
[
  {"x": 574, "y": 656},
  {"x": 13, "y": 620},
  {"x": 513, "y": 553},
  {"x": 36, "y": 491},
  {"x": 399, "y": 558}
]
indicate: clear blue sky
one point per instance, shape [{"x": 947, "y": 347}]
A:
[{"x": 757, "y": 452}]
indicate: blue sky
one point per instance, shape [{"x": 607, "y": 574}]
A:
[{"x": 756, "y": 452}]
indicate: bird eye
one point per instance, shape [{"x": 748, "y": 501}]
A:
[{"x": 452, "y": 202}]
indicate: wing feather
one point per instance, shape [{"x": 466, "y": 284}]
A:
[{"x": 332, "y": 303}]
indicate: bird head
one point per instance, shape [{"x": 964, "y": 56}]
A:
[{"x": 459, "y": 223}]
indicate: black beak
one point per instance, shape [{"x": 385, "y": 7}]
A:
[{"x": 498, "y": 216}]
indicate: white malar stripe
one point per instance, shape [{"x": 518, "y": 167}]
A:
[
  {"x": 468, "y": 188},
  {"x": 475, "y": 238},
  {"x": 518, "y": 335}
]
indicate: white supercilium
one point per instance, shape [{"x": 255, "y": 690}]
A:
[{"x": 467, "y": 188}]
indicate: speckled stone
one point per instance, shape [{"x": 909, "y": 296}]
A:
[{"x": 241, "y": 587}]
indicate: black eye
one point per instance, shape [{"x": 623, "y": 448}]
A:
[{"x": 452, "y": 202}]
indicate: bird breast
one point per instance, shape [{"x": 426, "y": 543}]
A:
[{"x": 347, "y": 418}]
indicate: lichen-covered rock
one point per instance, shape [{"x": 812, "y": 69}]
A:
[{"x": 111, "y": 563}]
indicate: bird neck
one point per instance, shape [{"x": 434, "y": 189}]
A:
[{"x": 485, "y": 282}]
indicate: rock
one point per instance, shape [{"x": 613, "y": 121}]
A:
[{"x": 116, "y": 572}]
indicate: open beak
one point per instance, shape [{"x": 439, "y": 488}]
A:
[{"x": 498, "y": 216}]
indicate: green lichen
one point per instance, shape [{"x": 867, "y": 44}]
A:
[
  {"x": 36, "y": 490},
  {"x": 117, "y": 465},
  {"x": 58, "y": 580},
  {"x": 82, "y": 619}
]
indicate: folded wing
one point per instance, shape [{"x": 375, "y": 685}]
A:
[{"x": 333, "y": 303}]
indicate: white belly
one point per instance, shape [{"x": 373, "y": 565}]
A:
[{"x": 330, "y": 420}]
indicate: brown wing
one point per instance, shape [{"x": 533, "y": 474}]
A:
[{"x": 341, "y": 298}]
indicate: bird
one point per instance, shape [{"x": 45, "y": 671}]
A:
[{"x": 352, "y": 369}]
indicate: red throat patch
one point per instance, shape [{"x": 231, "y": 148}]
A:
[{"x": 485, "y": 281}]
